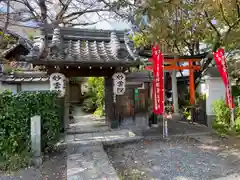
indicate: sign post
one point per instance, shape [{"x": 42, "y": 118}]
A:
[
  {"x": 58, "y": 83},
  {"x": 158, "y": 86},
  {"x": 221, "y": 63},
  {"x": 136, "y": 94},
  {"x": 119, "y": 88}
]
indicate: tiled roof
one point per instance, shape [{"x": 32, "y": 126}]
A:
[
  {"x": 25, "y": 77},
  {"x": 16, "y": 45},
  {"x": 86, "y": 46},
  {"x": 20, "y": 40},
  {"x": 15, "y": 32},
  {"x": 212, "y": 72},
  {"x": 20, "y": 65},
  {"x": 143, "y": 76}
]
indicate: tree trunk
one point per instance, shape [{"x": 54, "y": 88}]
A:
[{"x": 6, "y": 23}]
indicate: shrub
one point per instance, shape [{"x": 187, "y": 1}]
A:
[
  {"x": 89, "y": 105},
  {"x": 223, "y": 117},
  {"x": 94, "y": 101},
  {"x": 96, "y": 89},
  {"x": 99, "y": 112},
  {"x": 237, "y": 120},
  {"x": 15, "y": 113},
  {"x": 222, "y": 112}
]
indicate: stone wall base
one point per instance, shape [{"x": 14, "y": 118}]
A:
[
  {"x": 138, "y": 125},
  {"x": 210, "y": 119}
]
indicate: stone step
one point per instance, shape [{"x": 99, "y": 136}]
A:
[
  {"x": 106, "y": 138},
  {"x": 87, "y": 129},
  {"x": 235, "y": 176},
  {"x": 89, "y": 162}
]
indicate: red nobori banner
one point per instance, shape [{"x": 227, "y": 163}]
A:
[
  {"x": 221, "y": 63},
  {"x": 158, "y": 81}
]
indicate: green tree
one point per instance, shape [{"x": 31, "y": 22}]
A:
[
  {"x": 96, "y": 85},
  {"x": 95, "y": 95},
  {"x": 182, "y": 26}
]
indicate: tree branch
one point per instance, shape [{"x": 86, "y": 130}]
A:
[
  {"x": 6, "y": 22},
  {"x": 211, "y": 24},
  {"x": 19, "y": 25},
  {"x": 79, "y": 24},
  {"x": 230, "y": 29},
  {"x": 238, "y": 8},
  {"x": 30, "y": 8},
  {"x": 223, "y": 14},
  {"x": 63, "y": 10},
  {"x": 84, "y": 12},
  {"x": 43, "y": 9}
]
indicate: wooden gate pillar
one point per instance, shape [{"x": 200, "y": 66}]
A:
[
  {"x": 109, "y": 104},
  {"x": 175, "y": 92},
  {"x": 66, "y": 105}
]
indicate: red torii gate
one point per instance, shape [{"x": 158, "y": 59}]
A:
[{"x": 172, "y": 63}]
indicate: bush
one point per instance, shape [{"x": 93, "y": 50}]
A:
[
  {"x": 223, "y": 115},
  {"x": 237, "y": 120},
  {"x": 15, "y": 113},
  {"x": 222, "y": 112},
  {"x": 89, "y": 105},
  {"x": 94, "y": 101},
  {"x": 223, "y": 119},
  {"x": 99, "y": 112}
]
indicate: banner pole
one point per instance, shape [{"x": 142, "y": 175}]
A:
[
  {"x": 221, "y": 62},
  {"x": 232, "y": 108},
  {"x": 163, "y": 121},
  {"x": 166, "y": 128},
  {"x": 232, "y": 117}
]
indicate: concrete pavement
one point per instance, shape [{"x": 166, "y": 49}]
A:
[{"x": 86, "y": 158}]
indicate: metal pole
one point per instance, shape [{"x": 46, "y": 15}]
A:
[
  {"x": 232, "y": 117},
  {"x": 232, "y": 108},
  {"x": 166, "y": 128},
  {"x": 163, "y": 126},
  {"x": 134, "y": 105},
  {"x": 238, "y": 99}
]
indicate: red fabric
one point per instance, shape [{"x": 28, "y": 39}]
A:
[
  {"x": 149, "y": 68},
  {"x": 153, "y": 83},
  {"x": 158, "y": 81},
  {"x": 221, "y": 63},
  {"x": 233, "y": 105}
]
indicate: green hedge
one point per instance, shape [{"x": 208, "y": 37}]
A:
[
  {"x": 223, "y": 117},
  {"x": 15, "y": 113}
]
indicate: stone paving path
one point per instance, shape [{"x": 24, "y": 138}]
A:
[{"x": 86, "y": 159}]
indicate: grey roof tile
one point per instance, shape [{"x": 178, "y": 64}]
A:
[
  {"x": 28, "y": 76},
  {"x": 78, "y": 45},
  {"x": 212, "y": 72}
]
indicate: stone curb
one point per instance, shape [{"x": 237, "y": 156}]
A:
[{"x": 122, "y": 141}]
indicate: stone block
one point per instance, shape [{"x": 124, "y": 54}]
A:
[
  {"x": 82, "y": 137},
  {"x": 36, "y": 140}
]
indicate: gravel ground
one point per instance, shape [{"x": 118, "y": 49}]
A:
[
  {"x": 176, "y": 159},
  {"x": 53, "y": 168},
  {"x": 176, "y": 128}
]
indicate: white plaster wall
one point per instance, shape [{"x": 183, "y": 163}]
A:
[
  {"x": 38, "y": 86},
  {"x": 33, "y": 86},
  {"x": 215, "y": 90},
  {"x": 202, "y": 88},
  {"x": 10, "y": 87}
]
